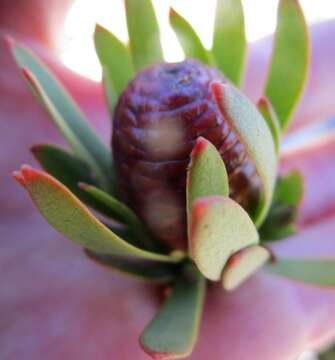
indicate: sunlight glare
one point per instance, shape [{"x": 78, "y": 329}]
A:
[{"x": 77, "y": 49}]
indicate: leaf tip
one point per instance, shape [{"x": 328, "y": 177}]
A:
[
  {"x": 35, "y": 149},
  {"x": 98, "y": 27},
  {"x": 155, "y": 355},
  {"x": 9, "y": 41},
  {"x": 83, "y": 185},
  {"x": 19, "y": 177},
  {"x": 218, "y": 91},
  {"x": 200, "y": 145},
  {"x": 25, "y": 175},
  {"x": 242, "y": 265},
  {"x": 172, "y": 12},
  {"x": 263, "y": 102}
]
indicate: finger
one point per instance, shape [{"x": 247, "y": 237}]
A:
[{"x": 317, "y": 102}]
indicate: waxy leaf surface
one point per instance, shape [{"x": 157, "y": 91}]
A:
[
  {"x": 115, "y": 56},
  {"x": 254, "y": 134},
  {"x": 266, "y": 109},
  {"x": 144, "y": 269},
  {"x": 188, "y": 38},
  {"x": 207, "y": 174},
  {"x": 115, "y": 209},
  {"x": 242, "y": 265},
  {"x": 65, "y": 114},
  {"x": 66, "y": 168},
  {"x": 173, "y": 331},
  {"x": 109, "y": 91},
  {"x": 219, "y": 228},
  {"x": 289, "y": 64},
  {"x": 320, "y": 272},
  {"x": 72, "y": 219},
  {"x": 143, "y": 31},
  {"x": 229, "y": 42},
  {"x": 72, "y": 173}
]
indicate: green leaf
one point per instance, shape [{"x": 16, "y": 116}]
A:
[
  {"x": 174, "y": 330},
  {"x": 229, "y": 42},
  {"x": 72, "y": 173},
  {"x": 279, "y": 224},
  {"x": 188, "y": 38},
  {"x": 66, "y": 168},
  {"x": 219, "y": 228},
  {"x": 242, "y": 265},
  {"x": 289, "y": 64},
  {"x": 289, "y": 189},
  {"x": 120, "y": 212},
  {"x": 115, "y": 57},
  {"x": 140, "y": 268},
  {"x": 281, "y": 218},
  {"x": 254, "y": 134},
  {"x": 72, "y": 219},
  {"x": 65, "y": 114},
  {"x": 319, "y": 272},
  {"x": 207, "y": 174},
  {"x": 327, "y": 355},
  {"x": 109, "y": 91},
  {"x": 266, "y": 109},
  {"x": 144, "y": 36}
]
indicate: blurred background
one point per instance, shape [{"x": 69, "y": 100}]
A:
[
  {"x": 75, "y": 36},
  {"x": 75, "y": 42}
]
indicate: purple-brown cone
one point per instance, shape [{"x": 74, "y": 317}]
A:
[{"x": 156, "y": 122}]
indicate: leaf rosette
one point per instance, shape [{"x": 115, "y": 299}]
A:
[{"x": 79, "y": 192}]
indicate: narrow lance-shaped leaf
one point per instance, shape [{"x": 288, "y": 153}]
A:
[
  {"x": 219, "y": 228},
  {"x": 119, "y": 211},
  {"x": 72, "y": 219},
  {"x": 174, "y": 330},
  {"x": 320, "y": 272},
  {"x": 72, "y": 172},
  {"x": 110, "y": 93},
  {"x": 65, "y": 167},
  {"x": 188, "y": 38},
  {"x": 289, "y": 64},
  {"x": 115, "y": 56},
  {"x": 242, "y": 265},
  {"x": 266, "y": 109},
  {"x": 207, "y": 174},
  {"x": 254, "y": 134},
  {"x": 156, "y": 271},
  {"x": 229, "y": 42},
  {"x": 144, "y": 36},
  {"x": 65, "y": 114}
]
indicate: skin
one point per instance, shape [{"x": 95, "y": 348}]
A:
[{"x": 55, "y": 303}]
